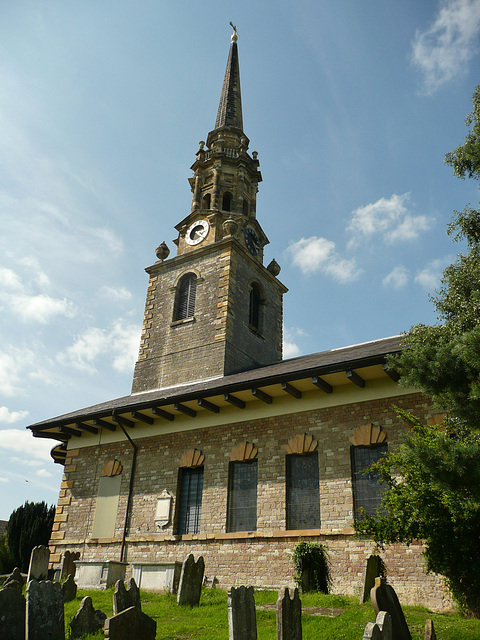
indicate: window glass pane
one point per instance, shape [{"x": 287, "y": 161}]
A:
[
  {"x": 367, "y": 489},
  {"x": 242, "y": 496},
  {"x": 190, "y": 501},
  {"x": 303, "y": 496},
  {"x": 254, "y": 315}
]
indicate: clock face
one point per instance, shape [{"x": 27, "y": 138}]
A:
[
  {"x": 197, "y": 232},
  {"x": 252, "y": 241}
]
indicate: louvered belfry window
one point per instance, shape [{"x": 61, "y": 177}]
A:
[
  {"x": 190, "y": 503},
  {"x": 303, "y": 497},
  {"x": 367, "y": 488},
  {"x": 187, "y": 289},
  {"x": 254, "y": 310},
  {"x": 242, "y": 496}
]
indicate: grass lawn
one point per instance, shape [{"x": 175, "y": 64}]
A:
[{"x": 209, "y": 621}]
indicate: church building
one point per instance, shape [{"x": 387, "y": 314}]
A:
[{"x": 223, "y": 449}]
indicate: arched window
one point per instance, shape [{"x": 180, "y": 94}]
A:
[
  {"x": 185, "y": 303},
  {"x": 227, "y": 201},
  {"x": 245, "y": 207},
  {"x": 206, "y": 201},
  {"x": 254, "y": 310}
]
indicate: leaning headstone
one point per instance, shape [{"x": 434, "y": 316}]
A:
[
  {"x": 68, "y": 564},
  {"x": 191, "y": 580},
  {"x": 12, "y": 614},
  {"x": 131, "y": 623},
  {"x": 126, "y": 598},
  {"x": 242, "y": 617},
  {"x": 381, "y": 629},
  {"x": 69, "y": 589},
  {"x": 374, "y": 568},
  {"x": 39, "y": 558},
  {"x": 45, "y": 612},
  {"x": 87, "y": 619},
  {"x": 289, "y": 615},
  {"x": 16, "y": 577},
  {"x": 384, "y": 598},
  {"x": 429, "y": 631}
]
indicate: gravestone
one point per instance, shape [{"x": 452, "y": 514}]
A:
[
  {"x": 39, "y": 558},
  {"x": 69, "y": 589},
  {"x": 429, "y": 631},
  {"x": 16, "y": 578},
  {"x": 373, "y": 569},
  {"x": 242, "y": 617},
  {"x": 384, "y": 598},
  {"x": 12, "y": 614},
  {"x": 45, "y": 612},
  {"x": 87, "y": 619},
  {"x": 126, "y": 598},
  {"x": 130, "y": 623},
  {"x": 289, "y": 615},
  {"x": 381, "y": 629},
  {"x": 68, "y": 564},
  {"x": 191, "y": 580}
]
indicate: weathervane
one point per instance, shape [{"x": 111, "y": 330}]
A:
[{"x": 234, "y": 34}]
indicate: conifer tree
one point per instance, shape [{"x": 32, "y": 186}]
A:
[{"x": 29, "y": 526}]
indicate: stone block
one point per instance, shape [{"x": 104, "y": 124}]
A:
[
  {"x": 381, "y": 629},
  {"x": 126, "y": 598},
  {"x": 242, "y": 617},
  {"x": 384, "y": 598},
  {"x": 12, "y": 613},
  {"x": 191, "y": 581},
  {"x": 289, "y": 615},
  {"x": 130, "y": 623},
  {"x": 39, "y": 559},
  {"x": 69, "y": 589},
  {"x": 45, "y": 611},
  {"x": 87, "y": 619}
]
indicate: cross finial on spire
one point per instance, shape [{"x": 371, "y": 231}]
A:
[{"x": 234, "y": 36}]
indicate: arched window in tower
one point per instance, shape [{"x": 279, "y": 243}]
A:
[
  {"x": 254, "y": 309},
  {"x": 227, "y": 201},
  {"x": 245, "y": 207},
  {"x": 186, "y": 292},
  {"x": 207, "y": 198}
]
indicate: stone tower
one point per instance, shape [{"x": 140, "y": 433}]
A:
[{"x": 214, "y": 309}]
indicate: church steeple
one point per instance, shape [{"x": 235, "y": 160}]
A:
[
  {"x": 230, "y": 107},
  {"x": 214, "y": 309}
]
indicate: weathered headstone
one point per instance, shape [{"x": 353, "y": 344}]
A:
[
  {"x": 15, "y": 577},
  {"x": 69, "y": 589},
  {"x": 126, "y": 598},
  {"x": 12, "y": 614},
  {"x": 131, "y": 623},
  {"x": 87, "y": 619},
  {"x": 381, "y": 629},
  {"x": 289, "y": 615},
  {"x": 191, "y": 580},
  {"x": 242, "y": 617},
  {"x": 45, "y": 611},
  {"x": 39, "y": 558},
  {"x": 429, "y": 630},
  {"x": 373, "y": 569},
  {"x": 68, "y": 564},
  {"x": 384, "y": 598}
]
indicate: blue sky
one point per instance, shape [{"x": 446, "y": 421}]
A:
[{"x": 351, "y": 107}]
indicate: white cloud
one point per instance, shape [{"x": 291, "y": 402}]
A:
[
  {"x": 9, "y": 279},
  {"x": 290, "y": 349},
  {"x": 10, "y": 369},
  {"x": 43, "y": 473},
  {"x": 4, "y": 479},
  {"x": 120, "y": 294},
  {"x": 120, "y": 342},
  {"x": 22, "y": 442},
  {"x": 318, "y": 254},
  {"x": 389, "y": 217},
  {"x": 429, "y": 276},
  {"x": 39, "y": 308},
  {"x": 11, "y": 416},
  {"x": 444, "y": 50},
  {"x": 397, "y": 278}
]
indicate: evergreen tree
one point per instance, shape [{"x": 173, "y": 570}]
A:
[
  {"x": 29, "y": 526},
  {"x": 437, "y": 498}
]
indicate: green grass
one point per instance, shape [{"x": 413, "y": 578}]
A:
[{"x": 209, "y": 621}]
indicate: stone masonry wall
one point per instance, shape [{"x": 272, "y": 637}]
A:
[{"x": 261, "y": 557}]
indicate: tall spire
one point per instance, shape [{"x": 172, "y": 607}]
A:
[{"x": 230, "y": 107}]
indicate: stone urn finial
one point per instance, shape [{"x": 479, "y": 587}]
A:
[
  {"x": 274, "y": 268},
  {"x": 162, "y": 251},
  {"x": 230, "y": 227}
]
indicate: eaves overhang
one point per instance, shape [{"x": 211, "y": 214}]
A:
[{"x": 324, "y": 370}]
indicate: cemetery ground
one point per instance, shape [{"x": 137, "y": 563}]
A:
[{"x": 209, "y": 621}]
